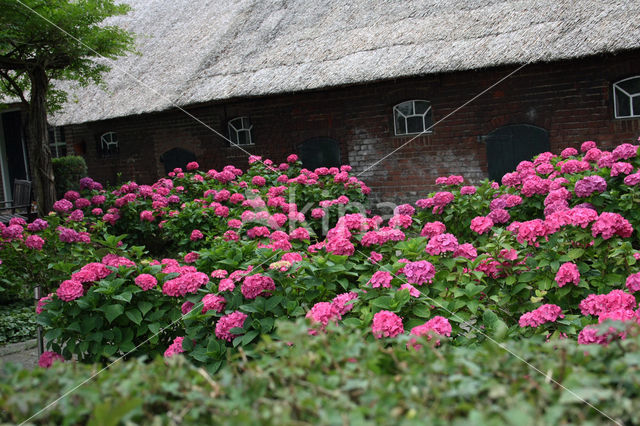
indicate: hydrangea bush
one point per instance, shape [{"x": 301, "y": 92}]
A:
[{"x": 550, "y": 252}]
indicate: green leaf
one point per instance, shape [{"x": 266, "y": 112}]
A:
[
  {"x": 154, "y": 327},
  {"x": 109, "y": 350},
  {"x": 125, "y": 296},
  {"x": 144, "y": 307},
  {"x": 272, "y": 302},
  {"x": 134, "y": 315},
  {"x": 422, "y": 311},
  {"x": 249, "y": 336},
  {"x": 112, "y": 312},
  {"x": 575, "y": 253},
  {"x": 383, "y": 302}
]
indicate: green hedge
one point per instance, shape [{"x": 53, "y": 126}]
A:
[
  {"x": 68, "y": 171},
  {"x": 339, "y": 378}
]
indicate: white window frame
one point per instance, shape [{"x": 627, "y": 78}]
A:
[
  {"x": 631, "y": 97},
  {"x": 57, "y": 142},
  {"x": 109, "y": 140},
  {"x": 397, "y": 114},
  {"x": 237, "y": 126}
]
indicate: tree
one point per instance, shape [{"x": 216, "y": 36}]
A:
[{"x": 42, "y": 41}]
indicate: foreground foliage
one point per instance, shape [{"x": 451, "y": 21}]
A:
[{"x": 339, "y": 378}]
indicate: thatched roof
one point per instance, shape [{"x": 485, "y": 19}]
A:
[{"x": 194, "y": 51}]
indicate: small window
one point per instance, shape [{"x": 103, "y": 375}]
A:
[
  {"x": 626, "y": 97},
  {"x": 412, "y": 117},
  {"x": 240, "y": 131},
  {"x": 57, "y": 143},
  {"x": 109, "y": 143}
]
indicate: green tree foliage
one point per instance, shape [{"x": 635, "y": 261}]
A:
[{"x": 46, "y": 40}]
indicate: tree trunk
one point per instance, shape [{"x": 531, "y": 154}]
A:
[{"x": 42, "y": 179}]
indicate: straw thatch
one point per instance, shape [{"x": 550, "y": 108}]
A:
[{"x": 193, "y": 51}]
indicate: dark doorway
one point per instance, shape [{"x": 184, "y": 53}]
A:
[
  {"x": 319, "y": 152},
  {"x": 508, "y": 145},
  {"x": 16, "y": 160},
  {"x": 177, "y": 157}
]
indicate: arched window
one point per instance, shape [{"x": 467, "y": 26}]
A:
[
  {"x": 412, "y": 117},
  {"x": 626, "y": 97},
  {"x": 240, "y": 131},
  {"x": 109, "y": 143}
]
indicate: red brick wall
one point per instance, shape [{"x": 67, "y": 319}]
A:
[{"x": 572, "y": 100}]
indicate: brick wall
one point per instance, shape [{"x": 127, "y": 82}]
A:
[{"x": 572, "y": 100}]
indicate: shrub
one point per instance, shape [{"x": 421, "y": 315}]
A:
[
  {"x": 339, "y": 378},
  {"x": 17, "y": 322},
  {"x": 67, "y": 172}
]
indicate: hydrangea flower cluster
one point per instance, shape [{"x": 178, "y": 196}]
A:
[
  {"x": 541, "y": 315},
  {"x": 386, "y": 324}
]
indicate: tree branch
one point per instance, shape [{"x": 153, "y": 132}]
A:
[
  {"x": 7, "y": 63},
  {"x": 13, "y": 85}
]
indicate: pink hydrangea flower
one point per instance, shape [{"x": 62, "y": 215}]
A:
[
  {"x": 568, "y": 273},
  {"x": 196, "y": 235},
  {"x": 226, "y": 284},
  {"x": 468, "y": 190},
  {"x": 63, "y": 206},
  {"x": 191, "y": 257},
  {"x": 481, "y": 224},
  {"x": 541, "y": 315},
  {"x": 256, "y": 285},
  {"x": 146, "y": 281},
  {"x": 598, "y": 304},
  {"x": 227, "y": 322},
  {"x": 419, "y": 272},
  {"x": 590, "y": 184},
  {"x": 47, "y": 359},
  {"x": 186, "y": 307},
  {"x": 321, "y": 314},
  {"x": 569, "y": 152},
  {"x": 380, "y": 279},
  {"x": 193, "y": 166},
  {"x": 436, "y": 325},
  {"x": 431, "y": 229},
  {"x": 375, "y": 257},
  {"x": 186, "y": 282},
  {"x": 413, "y": 292},
  {"x": 174, "y": 348},
  {"x": 386, "y": 324},
  {"x": 213, "y": 302},
  {"x": 466, "y": 250},
  {"x": 292, "y": 158},
  {"x": 610, "y": 224},
  {"x": 146, "y": 215},
  {"x": 70, "y": 290},
  {"x": 586, "y": 146},
  {"x": 34, "y": 242},
  {"x": 341, "y": 302},
  {"x": 633, "y": 282},
  {"x": 442, "y": 243},
  {"x": 42, "y": 302},
  {"x": 258, "y": 181}
]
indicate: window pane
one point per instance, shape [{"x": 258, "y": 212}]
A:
[
  {"x": 401, "y": 128},
  {"x": 414, "y": 124},
  {"x": 428, "y": 120},
  {"x": 62, "y": 150},
  {"x": 631, "y": 86},
  {"x": 243, "y": 138},
  {"x": 622, "y": 104},
  {"x": 421, "y": 107},
  {"x": 405, "y": 108},
  {"x": 636, "y": 106}
]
